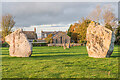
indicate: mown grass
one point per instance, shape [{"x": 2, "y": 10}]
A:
[{"x": 55, "y": 62}]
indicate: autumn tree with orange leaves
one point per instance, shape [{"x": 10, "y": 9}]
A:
[
  {"x": 77, "y": 31},
  {"x": 49, "y": 38}
]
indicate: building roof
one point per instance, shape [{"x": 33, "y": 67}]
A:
[
  {"x": 48, "y": 32},
  {"x": 30, "y": 34},
  {"x": 65, "y": 33}
]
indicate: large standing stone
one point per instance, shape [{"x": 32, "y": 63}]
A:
[
  {"x": 100, "y": 41},
  {"x": 19, "y": 45}
]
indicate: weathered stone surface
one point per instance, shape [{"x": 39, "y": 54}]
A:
[
  {"x": 100, "y": 41},
  {"x": 19, "y": 45}
]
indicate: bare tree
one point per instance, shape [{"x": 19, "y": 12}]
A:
[
  {"x": 108, "y": 16},
  {"x": 95, "y": 15},
  {"x": 7, "y": 24},
  {"x": 104, "y": 15}
]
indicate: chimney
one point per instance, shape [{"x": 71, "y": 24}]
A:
[{"x": 35, "y": 30}]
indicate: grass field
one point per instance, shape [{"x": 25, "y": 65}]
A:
[{"x": 55, "y": 62}]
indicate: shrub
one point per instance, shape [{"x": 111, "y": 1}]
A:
[
  {"x": 5, "y": 44},
  {"x": 84, "y": 42},
  {"x": 34, "y": 40},
  {"x": 39, "y": 44}
]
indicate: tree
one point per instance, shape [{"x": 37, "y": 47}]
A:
[
  {"x": 73, "y": 32},
  {"x": 108, "y": 15},
  {"x": 7, "y": 24},
  {"x": 104, "y": 15},
  {"x": 82, "y": 30},
  {"x": 108, "y": 26},
  {"x": 74, "y": 37},
  {"x": 109, "y": 19},
  {"x": 78, "y": 31},
  {"x": 95, "y": 15},
  {"x": 49, "y": 38},
  {"x": 69, "y": 32},
  {"x": 117, "y": 41}
]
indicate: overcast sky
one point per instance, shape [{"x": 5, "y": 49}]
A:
[
  {"x": 33, "y": 13},
  {"x": 55, "y": 14}
]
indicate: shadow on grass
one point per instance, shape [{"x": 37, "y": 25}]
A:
[
  {"x": 116, "y": 54},
  {"x": 4, "y": 54},
  {"x": 44, "y": 57},
  {"x": 117, "y": 51},
  {"x": 64, "y": 55},
  {"x": 51, "y": 52}
]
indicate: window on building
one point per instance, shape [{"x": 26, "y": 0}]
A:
[
  {"x": 61, "y": 39},
  {"x": 56, "y": 41},
  {"x": 52, "y": 40}
]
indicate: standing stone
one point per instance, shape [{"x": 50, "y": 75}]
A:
[
  {"x": 19, "y": 45},
  {"x": 100, "y": 41}
]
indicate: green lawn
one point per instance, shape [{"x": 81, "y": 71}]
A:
[{"x": 55, "y": 62}]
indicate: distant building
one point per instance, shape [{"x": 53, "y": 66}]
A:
[
  {"x": 31, "y": 35},
  {"x": 60, "y": 38},
  {"x": 44, "y": 34}
]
